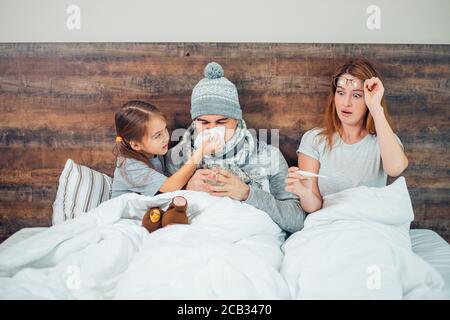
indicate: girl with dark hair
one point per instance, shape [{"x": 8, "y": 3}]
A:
[{"x": 141, "y": 142}]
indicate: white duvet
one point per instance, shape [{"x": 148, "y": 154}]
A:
[
  {"x": 358, "y": 247},
  {"x": 230, "y": 250}
]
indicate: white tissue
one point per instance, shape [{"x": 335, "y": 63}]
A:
[{"x": 206, "y": 134}]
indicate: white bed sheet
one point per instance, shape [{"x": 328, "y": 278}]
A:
[
  {"x": 434, "y": 250},
  {"x": 20, "y": 235},
  {"x": 426, "y": 243}
]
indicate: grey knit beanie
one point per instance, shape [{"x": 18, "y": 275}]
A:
[{"x": 215, "y": 94}]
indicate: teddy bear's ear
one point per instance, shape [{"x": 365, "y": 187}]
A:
[
  {"x": 152, "y": 219},
  {"x": 155, "y": 215},
  {"x": 179, "y": 201},
  {"x": 176, "y": 213}
]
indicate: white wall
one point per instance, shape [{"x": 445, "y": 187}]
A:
[{"x": 328, "y": 21}]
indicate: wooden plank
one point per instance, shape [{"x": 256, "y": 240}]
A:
[
  {"x": 99, "y": 149},
  {"x": 113, "y": 66},
  {"x": 17, "y": 215},
  {"x": 58, "y": 100},
  {"x": 41, "y": 158},
  {"x": 59, "y": 112},
  {"x": 105, "y": 87}
]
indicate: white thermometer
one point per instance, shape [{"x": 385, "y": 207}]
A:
[{"x": 310, "y": 174}]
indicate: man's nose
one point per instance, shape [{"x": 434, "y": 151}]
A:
[{"x": 210, "y": 125}]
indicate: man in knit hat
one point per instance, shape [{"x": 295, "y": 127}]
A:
[{"x": 249, "y": 170}]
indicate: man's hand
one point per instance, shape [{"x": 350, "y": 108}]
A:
[
  {"x": 231, "y": 186},
  {"x": 197, "y": 181}
]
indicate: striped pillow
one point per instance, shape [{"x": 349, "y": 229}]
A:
[{"x": 80, "y": 190}]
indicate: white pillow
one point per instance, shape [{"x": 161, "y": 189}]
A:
[
  {"x": 390, "y": 205},
  {"x": 80, "y": 190}
]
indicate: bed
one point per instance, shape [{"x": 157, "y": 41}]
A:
[
  {"x": 360, "y": 246},
  {"x": 434, "y": 250},
  {"x": 230, "y": 251},
  {"x": 426, "y": 243}
]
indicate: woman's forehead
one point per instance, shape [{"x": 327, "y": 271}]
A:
[{"x": 348, "y": 77}]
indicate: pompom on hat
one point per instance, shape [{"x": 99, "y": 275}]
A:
[{"x": 215, "y": 94}]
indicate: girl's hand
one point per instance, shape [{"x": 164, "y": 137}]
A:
[
  {"x": 211, "y": 145},
  {"x": 298, "y": 184},
  {"x": 373, "y": 93},
  {"x": 208, "y": 146}
]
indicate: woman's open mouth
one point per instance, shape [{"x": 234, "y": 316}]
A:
[{"x": 346, "y": 113}]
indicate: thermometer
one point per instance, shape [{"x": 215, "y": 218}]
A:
[{"x": 310, "y": 174}]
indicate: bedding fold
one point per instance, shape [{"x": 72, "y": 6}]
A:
[{"x": 229, "y": 250}]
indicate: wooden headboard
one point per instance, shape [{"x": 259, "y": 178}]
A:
[{"x": 58, "y": 100}]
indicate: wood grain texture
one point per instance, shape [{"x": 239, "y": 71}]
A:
[{"x": 57, "y": 101}]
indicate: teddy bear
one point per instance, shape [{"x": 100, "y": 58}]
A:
[{"x": 156, "y": 218}]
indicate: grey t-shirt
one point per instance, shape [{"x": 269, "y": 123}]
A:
[
  {"x": 135, "y": 176},
  {"x": 346, "y": 165}
]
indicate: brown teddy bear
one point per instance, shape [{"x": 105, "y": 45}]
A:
[{"x": 156, "y": 218}]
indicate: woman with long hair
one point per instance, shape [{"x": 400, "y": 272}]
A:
[{"x": 355, "y": 146}]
